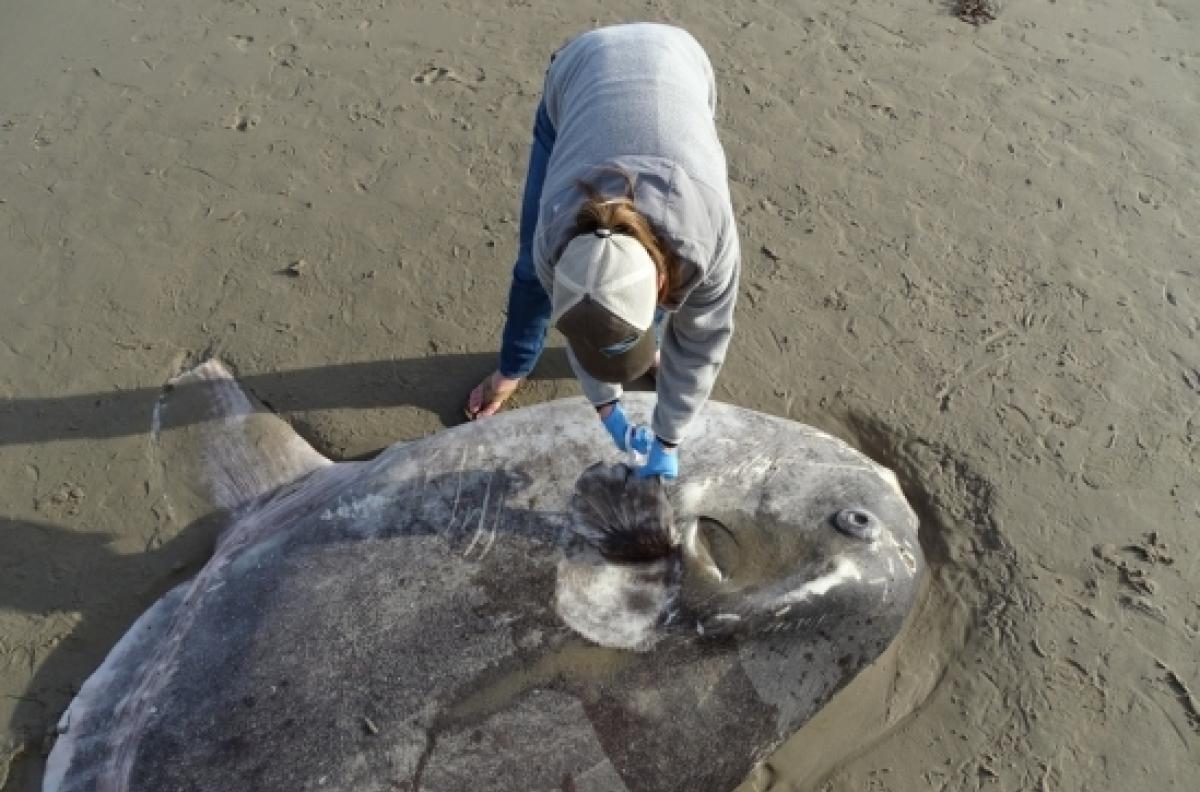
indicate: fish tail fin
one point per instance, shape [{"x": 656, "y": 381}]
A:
[{"x": 223, "y": 445}]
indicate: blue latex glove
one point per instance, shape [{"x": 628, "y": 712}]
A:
[
  {"x": 662, "y": 462},
  {"x": 625, "y": 434}
]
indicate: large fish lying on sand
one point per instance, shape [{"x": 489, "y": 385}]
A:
[{"x": 489, "y": 608}]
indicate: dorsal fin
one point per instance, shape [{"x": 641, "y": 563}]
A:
[{"x": 223, "y": 446}]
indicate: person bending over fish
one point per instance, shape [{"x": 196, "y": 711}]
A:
[{"x": 628, "y": 242}]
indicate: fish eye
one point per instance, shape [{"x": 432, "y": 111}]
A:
[{"x": 859, "y": 523}]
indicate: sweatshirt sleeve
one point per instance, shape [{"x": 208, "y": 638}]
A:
[
  {"x": 594, "y": 390},
  {"x": 694, "y": 344}
]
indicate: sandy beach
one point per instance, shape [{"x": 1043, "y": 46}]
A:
[{"x": 969, "y": 250}]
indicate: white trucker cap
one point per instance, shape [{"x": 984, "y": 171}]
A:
[{"x": 604, "y": 294}]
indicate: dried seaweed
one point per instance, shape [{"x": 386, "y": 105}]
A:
[{"x": 975, "y": 12}]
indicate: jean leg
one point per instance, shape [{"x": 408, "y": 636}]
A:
[{"x": 528, "y": 304}]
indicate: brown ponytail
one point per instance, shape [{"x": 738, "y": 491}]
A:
[{"x": 620, "y": 215}]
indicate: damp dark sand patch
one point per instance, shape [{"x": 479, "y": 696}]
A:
[{"x": 972, "y": 594}]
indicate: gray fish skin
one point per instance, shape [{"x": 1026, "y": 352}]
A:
[{"x": 444, "y": 618}]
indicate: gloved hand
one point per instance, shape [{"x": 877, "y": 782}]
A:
[
  {"x": 626, "y": 435},
  {"x": 663, "y": 462}
]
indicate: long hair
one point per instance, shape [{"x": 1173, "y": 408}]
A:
[{"x": 620, "y": 215}]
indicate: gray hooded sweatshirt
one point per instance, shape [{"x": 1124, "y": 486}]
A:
[{"x": 640, "y": 99}]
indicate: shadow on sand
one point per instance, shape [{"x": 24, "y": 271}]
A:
[{"x": 438, "y": 384}]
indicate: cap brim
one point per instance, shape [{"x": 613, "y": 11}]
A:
[
  {"x": 617, "y": 369},
  {"x": 594, "y": 333}
]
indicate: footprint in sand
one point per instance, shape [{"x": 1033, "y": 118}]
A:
[
  {"x": 434, "y": 73},
  {"x": 242, "y": 122},
  {"x": 240, "y": 42},
  {"x": 285, "y": 54}
]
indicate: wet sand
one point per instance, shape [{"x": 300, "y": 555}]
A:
[{"x": 969, "y": 250}]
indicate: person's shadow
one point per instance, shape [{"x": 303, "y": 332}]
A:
[
  {"x": 74, "y": 576},
  {"x": 438, "y": 384}
]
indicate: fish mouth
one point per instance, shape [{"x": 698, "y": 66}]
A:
[{"x": 717, "y": 611}]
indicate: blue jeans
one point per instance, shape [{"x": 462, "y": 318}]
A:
[{"x": 528, "y": 304}]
